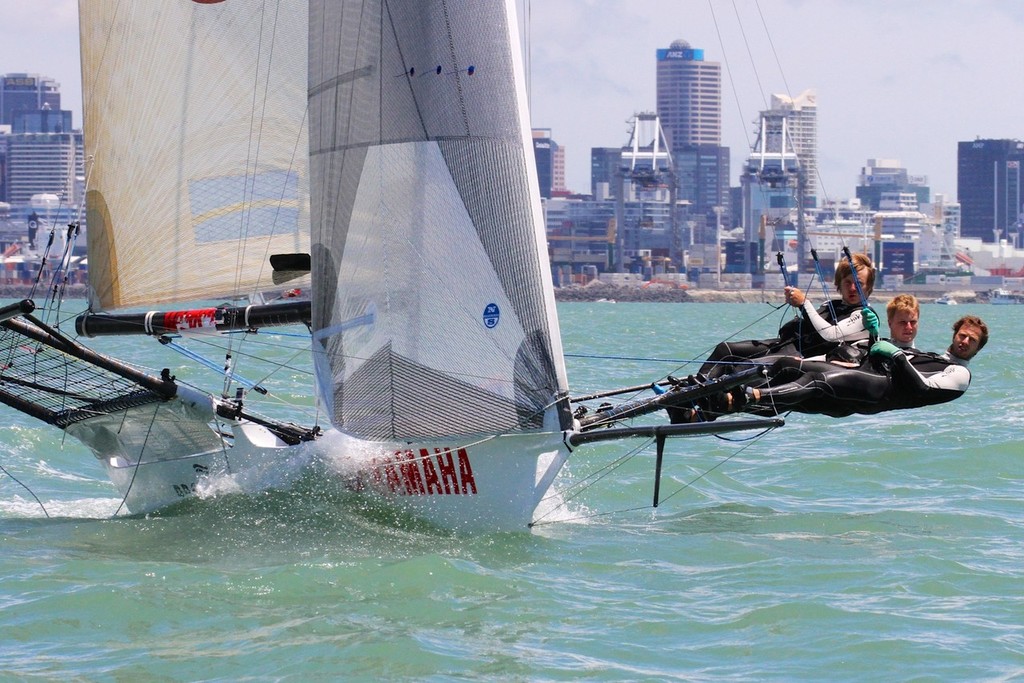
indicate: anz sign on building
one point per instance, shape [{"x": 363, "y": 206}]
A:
[{"x": 686, "y": 54}]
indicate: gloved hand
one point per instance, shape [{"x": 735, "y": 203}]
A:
[
  {"x": 885, "y": 349},
  {"x": 870, "y": 321}
]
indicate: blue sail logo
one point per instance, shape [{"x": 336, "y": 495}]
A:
[{"x": 491, "y": 316}]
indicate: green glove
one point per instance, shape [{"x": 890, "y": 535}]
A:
[
  {"x": 885, "y": 349},
  {"x": 870, "y": 321}
]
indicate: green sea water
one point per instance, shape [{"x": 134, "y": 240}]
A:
[{"x": 888, "y": 547}]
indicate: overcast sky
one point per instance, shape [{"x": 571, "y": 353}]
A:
[{"x": 895, "y": 79}]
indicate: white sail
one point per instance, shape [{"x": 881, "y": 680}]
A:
[
  {"x": 195, "y": 125},
  {"x": 433, "y": 307}
]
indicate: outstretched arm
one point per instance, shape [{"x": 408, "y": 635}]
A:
[{"x": 848, "y": 329}]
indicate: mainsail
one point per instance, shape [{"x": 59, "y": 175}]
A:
[
  {"x": 195, "y": 125},
  {"x": 433, "y": 311}
]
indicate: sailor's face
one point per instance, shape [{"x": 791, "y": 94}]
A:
[
  {"x": 848, "y": 289},
  {"x": 903, "y": 327},
  {"x": 966, "y": 341}
]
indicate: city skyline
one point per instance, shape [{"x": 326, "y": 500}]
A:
[{"x": 904, "y": 81}]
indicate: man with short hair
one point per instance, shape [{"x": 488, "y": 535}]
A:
[{"x": 903, "y": 313}]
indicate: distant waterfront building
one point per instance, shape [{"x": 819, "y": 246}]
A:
[
  {"x": 43, "y": 120},
  {"x": 772, "y": 180},
  {"x": 989, "y": 188},
  {"x": 605, "y": 166},
  {"x": 689, "y": 101},
  {"x": 885, "y": 176},
  {"x": 937, "y": 246},
  {"x": 43, "y": 163},
  {"x": 801, "y": 117},
  {"x": 583, "y": 234},
  {"x": 702, "y": 173},
  {"x": 21, "y": 92},
  {"x": 550, "y": 158}
]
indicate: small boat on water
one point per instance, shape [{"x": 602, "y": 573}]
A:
[
  {"x": 946, "y": 300},
  {"x": 1002, "y": 297}
]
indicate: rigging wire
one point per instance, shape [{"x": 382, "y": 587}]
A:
[
  {"x": 771, "y": 43},
  {"x": 30, "y": 491},
  {"x": 789, "y": 91},
  {"x": 728, "y": 68},
  {"x": 251, "y": 172},
  {"x": 590, "y": 480},
  {"x": 753, "y": 63},
  {"x": 138, "y": 461}
]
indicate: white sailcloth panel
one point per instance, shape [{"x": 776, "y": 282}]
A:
[
  {"x": 433, "y": 309},
  {"x": 195, "y": 119}
]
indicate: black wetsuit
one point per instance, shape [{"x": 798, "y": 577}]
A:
[
  {"x": 798, "y": 337},
  {"x": 910, "y": 380}
]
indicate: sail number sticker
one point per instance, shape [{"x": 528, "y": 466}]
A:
[{"x": 492, "y": 314}]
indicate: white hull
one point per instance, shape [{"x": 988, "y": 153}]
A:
[
  {"x": 494, "y": 484},
  {"x": 1002, "y": 297}
]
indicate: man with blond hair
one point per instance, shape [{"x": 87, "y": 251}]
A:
[{"x": 904, "y": 313}]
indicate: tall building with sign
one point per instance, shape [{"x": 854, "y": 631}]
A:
[
  {"x": 689, "y": 99},
  {"x": 20, "y": 93},
  {"x": 689, "y": 95}
]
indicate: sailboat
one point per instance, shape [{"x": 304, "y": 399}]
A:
[{"x": 379, "y": 153}]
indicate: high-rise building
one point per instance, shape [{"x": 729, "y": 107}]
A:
[
  {"x": 25, "y": 93},
  {"x": 550, "y": 158},
  {"x": 605, "y": 167},
  {"x": 689, "y": 98},
  {"x": 989, "y": 188},
  {"x": 801, "y": 117},
  {"x": 702, "y": 175},
  {"x": 43, "y": 163}
]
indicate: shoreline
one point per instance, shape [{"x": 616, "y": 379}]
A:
[
  {"x": 595, "y": 293},
  {"x": 41, "y": 291},
  {"x": 625, "y": 294}
]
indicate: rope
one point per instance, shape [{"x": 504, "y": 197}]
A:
[
  {"x": 30, "y": 492},
  {"x": 605, "y": 471},
  {"x": 138, "y": 462}
]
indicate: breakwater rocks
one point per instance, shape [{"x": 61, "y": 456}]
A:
[
  {"x": 662, "y": 294},
  {"x": 41, "y": 292},
  {"x": 656, "y": 293}
]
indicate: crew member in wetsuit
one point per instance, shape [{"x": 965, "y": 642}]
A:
[
  {"x": 903, "y": 313},
  {"x": 813, "y": 332},
  {"x": 893, "y": 378}
]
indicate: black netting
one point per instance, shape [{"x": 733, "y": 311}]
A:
[{"x": 58, "y": 387}]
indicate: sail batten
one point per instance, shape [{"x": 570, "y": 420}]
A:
[{"x": 425, "y": 209}]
